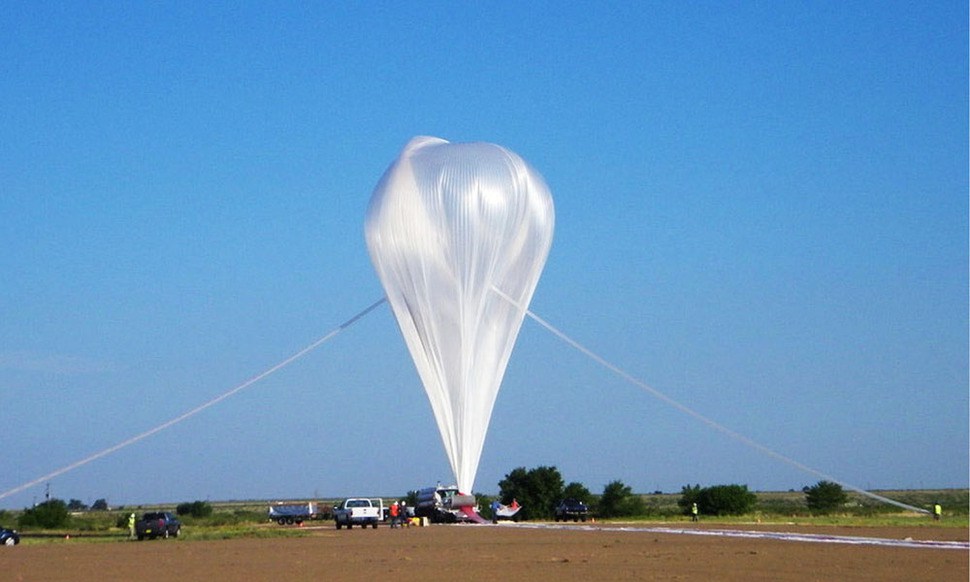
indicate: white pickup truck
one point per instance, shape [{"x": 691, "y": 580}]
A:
[{"x": 359, "y": 511}]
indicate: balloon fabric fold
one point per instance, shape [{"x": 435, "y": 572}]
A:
[{"x": 459, "y": 234}]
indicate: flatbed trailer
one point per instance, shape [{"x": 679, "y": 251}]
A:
[{"x": 289, "y": 514}]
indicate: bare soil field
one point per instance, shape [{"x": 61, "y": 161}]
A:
[{"x": 467, "y": 553}]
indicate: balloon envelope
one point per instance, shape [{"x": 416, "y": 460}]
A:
[{"x": 458, "y": 234}]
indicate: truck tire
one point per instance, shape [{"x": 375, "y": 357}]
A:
[
  {"x": 281, "y": 521},
  {"x": 337, "y": 523},
  {"x": 178, "y": 531},
  {"x": 289, "y": 521},
  {"x": 374, "y": 524},
  {"x": 350, "y": 525}
]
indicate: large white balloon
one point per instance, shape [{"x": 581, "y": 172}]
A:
[{"x": 459, "y": 234}]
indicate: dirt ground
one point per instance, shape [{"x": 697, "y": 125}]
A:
[{"x": 467, "y": 553}]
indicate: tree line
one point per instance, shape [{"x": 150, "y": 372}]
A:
[
  {"x": 537, "y": 490},
  {"x": 56, "y": 514}
]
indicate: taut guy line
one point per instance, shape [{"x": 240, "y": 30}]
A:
[
  {"x": 693, "y": 413},
  {"x": 545, "y": 324},
  {"x": 709, "y": 422},
  {"x": 199, "y": 408}
]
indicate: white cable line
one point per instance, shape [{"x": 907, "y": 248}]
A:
[
  {"x": 709, "y": 422},
  {"x": 691, "y": 412},
  {"x": 576, "y": 345},
  {"x": 199, "y": 408}
]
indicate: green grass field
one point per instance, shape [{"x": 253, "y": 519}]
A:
[
  {"x": 248, "y": 519},
  {"x": 791, "y": 504}
]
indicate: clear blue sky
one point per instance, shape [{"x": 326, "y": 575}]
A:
[{"x": 762, "y": 211}]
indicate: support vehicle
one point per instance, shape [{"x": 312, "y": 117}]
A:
[
  {"x": 293, "y": 513},
  {"x": 9, "y": 537},
  {"x": 359, "y": 511},
  {"x": 158, "y": 524},
  {"x": 442, "y": 504},
  {"x": 573, "y": 509}
]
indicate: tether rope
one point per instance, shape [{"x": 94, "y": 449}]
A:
[
  {"x": 197, "y": 409},
  {"x": 697, "y": 415},
  {"x": 542, "y": 322},
  {"x": 709, "y": 422}
]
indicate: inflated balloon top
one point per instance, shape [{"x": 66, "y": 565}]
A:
[{"x": 459, "y": 234}]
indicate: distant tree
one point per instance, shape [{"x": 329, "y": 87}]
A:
[
  {"x": 195, "y": 509},
  {"x": 613, "y": 494},
  {"x": 412, "y": 498},
  {"x": 537, "y": 490},
  {"x": 578, "y": 491},
  {"x": 688, "y": 496},
  {"x": 514, "y": 485},
  {"x": 100, "y": 505},
  {"x": 618, "y": 500},
  {"x": 201, "y": 509},
  {"x": 824, "y": 497},
  {"x": 50, "y": 514},
  {"x": 76, "y": 505},
  {"x": 726, "y": 500}
]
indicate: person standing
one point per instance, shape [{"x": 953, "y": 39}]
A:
[
  {"x": 937, "y": 511},
  {"x": 693, "y": 511},
  {"x": 395, "y": 513},
  {"x": 131, "y": 526}
]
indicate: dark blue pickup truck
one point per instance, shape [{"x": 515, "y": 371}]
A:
[
  {"x": 158, "y": 523},
  {"x": 573, "y": 509},
  {"x": 9, "y": 537}
]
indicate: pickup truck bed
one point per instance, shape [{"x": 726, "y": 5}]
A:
[
  {"x": 158, "y": 523},
  {"x": 359, "y": 511}
]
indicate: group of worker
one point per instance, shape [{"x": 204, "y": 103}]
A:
[{"x": 399, "y": 515}]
